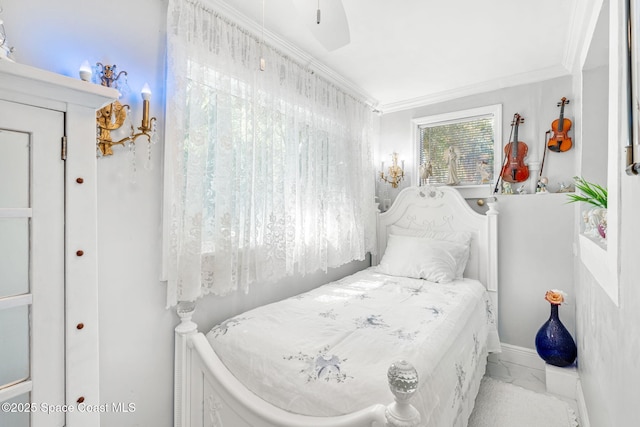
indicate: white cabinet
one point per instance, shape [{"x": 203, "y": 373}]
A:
[{"x": 48, "y": 223}]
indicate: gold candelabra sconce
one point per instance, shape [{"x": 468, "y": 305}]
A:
[
  {"x": 116, "y": 115},
  {"x": 395, "y": 173}
]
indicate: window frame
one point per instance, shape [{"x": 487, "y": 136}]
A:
[
  {"x": 605, "y": 263},
  {"x": 495, "y": 110}
]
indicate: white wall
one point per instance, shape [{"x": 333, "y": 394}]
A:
[
  {"x": 136, "y": 331},
  {"x": 535, "y": 246},
  {"x": 535, "y": 231},
  {"x": 609, "y": 334},
  {"x": 595, "y": 128}
]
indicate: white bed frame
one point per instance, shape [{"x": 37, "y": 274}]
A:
[{"x": 208, "y": 395}]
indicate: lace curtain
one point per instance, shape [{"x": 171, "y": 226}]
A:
[{"x": 268, "y": 172}]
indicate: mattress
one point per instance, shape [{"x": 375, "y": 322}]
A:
[{"x": 326, "y": 352}]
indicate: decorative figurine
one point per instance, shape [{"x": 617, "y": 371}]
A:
[
  {"x": 426, "y": 171},
  {"x": 589, "y": 228},
  {"x": 451, "y": 157},
  {"x": 542, "y": 185},
  {"x": 506, "y": 188},
  {"x": 5, "y": 49},
  {"x": 564, "y": 188},
  {"x": 595, "y": 223},
  {"x": 483, "y": 169},
  {"x": 521, "y": 190}
]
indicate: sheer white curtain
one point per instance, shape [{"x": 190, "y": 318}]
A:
[{"x": 268, "y": 172}]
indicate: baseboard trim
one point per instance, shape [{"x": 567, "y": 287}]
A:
[
  {"x": 518, "y": 355},
  {"x": 583, "y": 413}
]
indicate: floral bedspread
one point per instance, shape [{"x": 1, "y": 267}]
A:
[{"x": 326, "y": 352}]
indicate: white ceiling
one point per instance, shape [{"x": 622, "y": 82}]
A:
[{"x": 407, "y": 50}]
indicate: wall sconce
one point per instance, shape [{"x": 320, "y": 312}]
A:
[
  {"x": 395, "y": 174},
  {"x": 114, "y": 115}
]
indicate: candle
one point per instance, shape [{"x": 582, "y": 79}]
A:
[
  {"x": 146, "y": 92},
  {"x": 85, "y": 71},
  {"x": 146, "y": 96}
]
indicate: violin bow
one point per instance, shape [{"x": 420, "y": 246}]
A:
[
  {"x": 544, "y": 152},
  {"x": 504, "y": 162}
]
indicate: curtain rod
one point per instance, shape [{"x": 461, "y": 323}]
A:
[{"x": 286, "y": 49}]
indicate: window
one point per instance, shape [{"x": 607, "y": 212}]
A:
[
  {"x": 267, "y": 173},
  {"x": 460, "y": 149}
]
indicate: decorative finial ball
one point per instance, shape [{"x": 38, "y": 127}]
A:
[
  {"x": 185, "y": 309},
  {"x": 403, "y": 379}
]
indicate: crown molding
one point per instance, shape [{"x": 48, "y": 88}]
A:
[
  {"x": 483, "y": 87},
  {"x": 579, "y": 27},
  {"x": 292, "y": 51},
  {"x": 575, "y": 35},
  {"x": 584, "y": 20}
]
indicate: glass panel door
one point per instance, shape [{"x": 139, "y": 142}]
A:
[
  {"x": 15, "y": 296},
  {"x": 16, "y": 411},
  {"x": 14, "y": 352},
  {"x": 14, "y": 169},
  {"x": 31, "y": 265},
  {"x": 14, "y": 255}
]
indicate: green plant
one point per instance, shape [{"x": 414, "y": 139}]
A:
[{"x": 593, "y": 194}]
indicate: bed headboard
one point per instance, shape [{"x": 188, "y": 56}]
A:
[{"x": 444, "y": 209}]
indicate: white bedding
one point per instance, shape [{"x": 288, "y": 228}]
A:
[{"x": 326, "y": 352}]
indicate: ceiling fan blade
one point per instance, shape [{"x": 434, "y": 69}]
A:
[{"x": 333, "y": 30}]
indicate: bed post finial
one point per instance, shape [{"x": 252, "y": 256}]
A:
[
  {"x": 493, "y": 206},
  {"x": 185, "y": 310},
  {"x": 403, "y": 382}
]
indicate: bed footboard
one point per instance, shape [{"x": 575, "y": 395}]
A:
[{"x": 207, "y": 395}]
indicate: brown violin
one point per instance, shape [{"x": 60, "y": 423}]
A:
[
  {"x": 560, "y": 141},
  {"x": 514, "y": 169}
]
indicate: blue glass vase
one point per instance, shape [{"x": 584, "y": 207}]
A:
[{"x": 554, "y": 343}]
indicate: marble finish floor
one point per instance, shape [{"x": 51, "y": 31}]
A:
[{"x": 523, "y": 376}]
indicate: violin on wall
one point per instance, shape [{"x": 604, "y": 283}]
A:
[
  {"x": 560, "y": 141},
  {"x": 514, "y": 169}
]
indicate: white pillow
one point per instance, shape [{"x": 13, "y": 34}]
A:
[
  {"x": 424, "y": 258},
  {"x": 463, "y": 237}
]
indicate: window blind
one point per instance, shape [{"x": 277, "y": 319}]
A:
[{"x": 471, "y": 139}]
